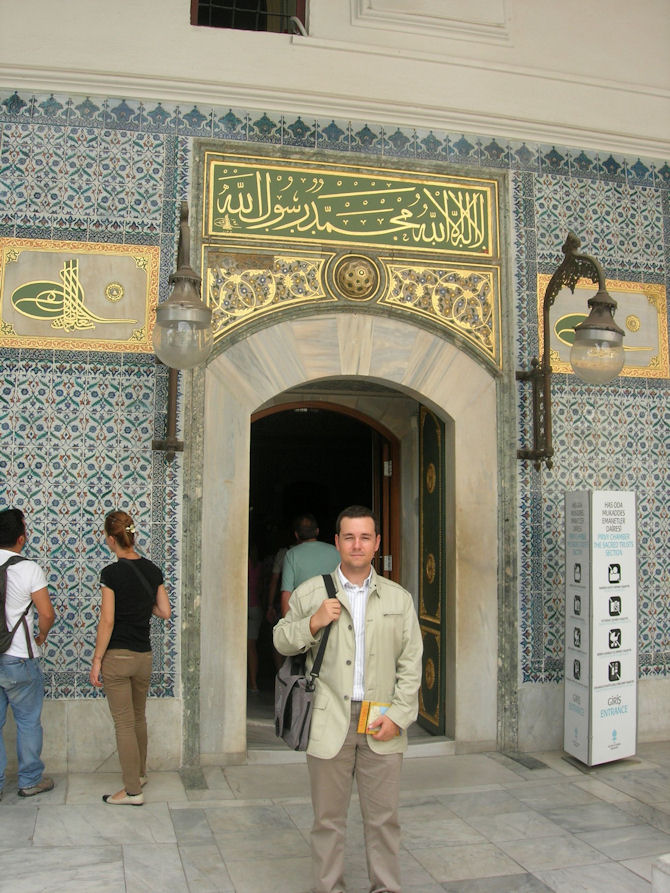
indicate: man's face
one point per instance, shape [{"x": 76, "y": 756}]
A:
[{"x": 356, "y": 543}]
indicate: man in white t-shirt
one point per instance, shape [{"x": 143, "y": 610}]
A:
[{"x": 21, "y": 680}]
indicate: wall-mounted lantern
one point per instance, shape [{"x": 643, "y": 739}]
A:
[
  {"x": 597, "y": 354},
  {"x": 182, "y": 336}
]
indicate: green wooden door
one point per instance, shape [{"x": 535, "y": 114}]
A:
[{"x": 432, "y": 571}]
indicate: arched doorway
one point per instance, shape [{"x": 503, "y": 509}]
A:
[
  {"x": 317, "y": 456},
  {"x": 256, "y": 373}
]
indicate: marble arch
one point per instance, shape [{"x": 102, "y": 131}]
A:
[{"x": 250, "y": 373}]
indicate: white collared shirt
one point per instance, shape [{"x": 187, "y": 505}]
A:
[{"x": 358, "y": 600}]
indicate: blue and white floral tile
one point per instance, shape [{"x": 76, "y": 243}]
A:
[
  {"x": 124, "y": 113},
  {"x": 299, "y": 132},
  {"x": 583, "y": 163},
  {"x": 14, "y": 107},
  {"x": 496, "y": 153},
  {"x": 230, "y": 125},
  {"x": 86, "y": 114},
  {"x": 612, "y": 167},
  {"x": 160, "y": 117},
  {"x": 194, "y": 121},
  {"x": 137, "y": 387},
  {"x": 429, "y": 144},
  {"x": 265, "y": 129},
  {"x": 367, "y": 139},
  {"x": 464, "y": 149},
  {"x": 136, "y": 434},
  {"x": 397, "y": 143},
  {"x": 554, "y": 159},
  {"x": 333, "y": 135},
  {"x": 524, "y": 156}
]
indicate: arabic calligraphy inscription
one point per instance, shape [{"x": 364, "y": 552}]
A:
[
  {"x": 58, "y": 294},
  {"x": 255, "y": 199},
  {"x": 646, "y": 324},
  {"x": 408, "y": 243}
]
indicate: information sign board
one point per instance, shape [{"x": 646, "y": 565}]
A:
[{"x": 600, "y": 716}]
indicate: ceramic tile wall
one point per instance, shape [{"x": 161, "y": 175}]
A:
[{"x": 76, "y": 428}]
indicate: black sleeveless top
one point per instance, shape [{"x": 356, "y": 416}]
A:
[{"x": 133, "y": 603}]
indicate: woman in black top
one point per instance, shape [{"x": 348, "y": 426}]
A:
[{"x": 132, "y": 590}]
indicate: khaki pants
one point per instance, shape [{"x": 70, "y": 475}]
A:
[
  {"x": 378, "y": 780},
  {"x": 126, "y": 676}
]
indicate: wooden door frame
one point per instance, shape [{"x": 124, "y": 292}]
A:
[{"x": 391, "y": 520}]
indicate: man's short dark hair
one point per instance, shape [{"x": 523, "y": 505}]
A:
[
  {"x": 356, "y": 511},
  {"x": 306, "y": 527},
  {"x": 12, "y": 526}
]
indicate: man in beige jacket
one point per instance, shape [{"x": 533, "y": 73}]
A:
[{"x": 373, "y": 654}]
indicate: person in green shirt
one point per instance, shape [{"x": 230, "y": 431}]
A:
[{"x": 310, "y": 558}]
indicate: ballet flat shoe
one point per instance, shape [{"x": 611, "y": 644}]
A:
[{"x": 126, "y": 800}]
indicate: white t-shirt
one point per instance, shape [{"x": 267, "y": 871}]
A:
[{"x": 23, "y": 578}]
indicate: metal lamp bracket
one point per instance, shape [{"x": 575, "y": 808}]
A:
[{"x": 574, "y": 267}]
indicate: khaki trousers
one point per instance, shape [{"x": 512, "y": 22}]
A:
[
  {"x": 126, "y": 676},
  {"x": 378, "y": 780}
]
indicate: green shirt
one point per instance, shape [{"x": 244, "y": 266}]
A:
[{"x": 308, "y": 560}]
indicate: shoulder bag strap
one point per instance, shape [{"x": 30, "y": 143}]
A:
[
  {"x": 3, "y": 587},
  {"x": 330, "y": 589},
  {"x": 140, "y": 576}
]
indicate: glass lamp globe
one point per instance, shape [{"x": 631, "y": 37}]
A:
[
  {"x": 596, "y": 359},
  {"x": 597, "y": 354},
  {"x": 182, "y": 336}
]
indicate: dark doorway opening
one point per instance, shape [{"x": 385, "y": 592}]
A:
[
  {"x": 307, "y": 459},
  {"x": 303, "y": 459}
]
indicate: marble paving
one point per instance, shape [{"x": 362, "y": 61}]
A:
[{"x": 476, "y": 823}]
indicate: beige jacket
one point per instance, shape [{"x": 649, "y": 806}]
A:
[{"x": 393, "y": 652}]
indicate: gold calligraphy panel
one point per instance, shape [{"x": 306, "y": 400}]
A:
[
  {"x": 286, "y": 234},
  {"x": 256, "y": 199},
  {"x": 641, "y": 312},
  {"x": 77, "y": 295}
]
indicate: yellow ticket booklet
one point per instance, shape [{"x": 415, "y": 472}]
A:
[{"x": 370, "y": 711}]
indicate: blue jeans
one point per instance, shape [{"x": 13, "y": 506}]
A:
[{"x": 22, "y": 688}]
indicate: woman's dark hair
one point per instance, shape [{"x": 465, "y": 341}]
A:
[
  {"x": 12, "y": 526},
  {"x": 120, "y": 526},
  {"x": 356, "y": 511}
]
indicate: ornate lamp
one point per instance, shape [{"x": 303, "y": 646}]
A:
[
  {"x": 597, "y": 354},
  {"x": 182, "y": 336}
]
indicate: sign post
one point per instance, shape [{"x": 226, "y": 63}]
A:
[{"x": 600, "y": 716}]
